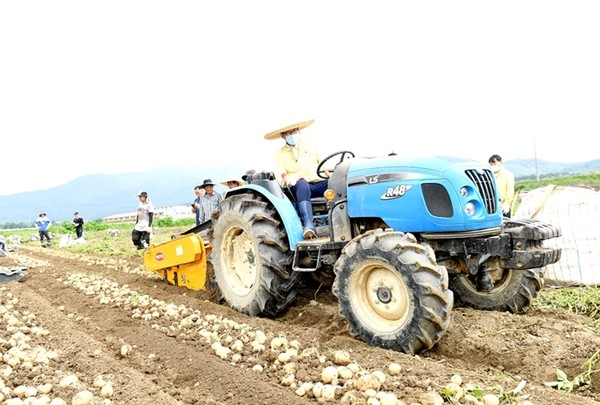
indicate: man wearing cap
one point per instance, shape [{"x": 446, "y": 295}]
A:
[
  {"x": 209, "y": 202},
  {"x": 43, "y": 223},
  {"x": 296, "y": 167},
  {"x": 140, "y": 236}
]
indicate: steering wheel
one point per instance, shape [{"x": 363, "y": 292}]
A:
[{"x": 343, "y": 155}]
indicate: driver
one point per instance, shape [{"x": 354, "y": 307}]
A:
[{"x": 296, "y": 168}]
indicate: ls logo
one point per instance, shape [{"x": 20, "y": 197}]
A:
[{"x": 395, "y": 192}]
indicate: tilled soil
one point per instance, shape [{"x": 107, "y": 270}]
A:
[{"x": 113, "y": 333}]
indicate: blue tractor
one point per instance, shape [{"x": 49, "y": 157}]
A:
[{"x": 400, "y": 241}]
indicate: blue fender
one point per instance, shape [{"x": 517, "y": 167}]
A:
[{"x": 285, "y": 208}]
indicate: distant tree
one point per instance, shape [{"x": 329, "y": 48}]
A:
[{"x": 16, "y": 225}]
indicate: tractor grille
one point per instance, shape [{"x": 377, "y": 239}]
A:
[{"x": 485, "y": 184}]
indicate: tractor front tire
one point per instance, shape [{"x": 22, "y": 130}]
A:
[
  {"x": 251, "y": 257},
  {"x": 392, "y": 292}
]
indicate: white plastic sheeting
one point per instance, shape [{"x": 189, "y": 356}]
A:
[
  {"x": 576, "y": 211},
  {"x": 68, "y": 240}
]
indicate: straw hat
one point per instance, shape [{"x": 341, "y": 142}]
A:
[
  {"x": 233, "y": 178},
  {"x": 298, "y": 126}
]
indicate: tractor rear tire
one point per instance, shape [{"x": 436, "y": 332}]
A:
[
  {"x": 392, "y": 292},
  {"x": 514, "y": 292},
  {"x": 251, "y": 257}
]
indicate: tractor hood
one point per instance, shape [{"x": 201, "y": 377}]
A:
[{"x": 434, "y": 194}]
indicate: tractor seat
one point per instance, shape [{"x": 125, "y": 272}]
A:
[{"x": 266, "y": 180}]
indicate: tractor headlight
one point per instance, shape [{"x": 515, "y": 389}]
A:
[
  {"x": 470, "y": 209},
  {"x": 464, "y": 191}
]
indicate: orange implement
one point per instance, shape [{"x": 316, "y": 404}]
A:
[{"x": 181, "y": 261}]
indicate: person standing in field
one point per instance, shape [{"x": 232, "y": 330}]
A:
[
  {"x": 140, "y": 235},
  {"x": 505, "y": 181},
  {"x": 199, "y": 191},
  {"x": 209, "y": 202},
  {"x": 3, "y": 249},
  {"x": 78, "y": 221},
  {"x": 43, "y": 223}
]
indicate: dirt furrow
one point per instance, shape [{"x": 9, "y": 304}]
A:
[{"x": 166, "y": 366}]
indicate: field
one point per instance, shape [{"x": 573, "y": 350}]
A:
[{"x": 89, "y": 325}]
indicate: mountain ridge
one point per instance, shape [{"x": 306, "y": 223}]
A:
[{"x": 96, "y": 196}]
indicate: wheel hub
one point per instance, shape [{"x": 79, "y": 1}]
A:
[
  {"x": 384, "y": 295},
  {"x": 380, "y": 294}
]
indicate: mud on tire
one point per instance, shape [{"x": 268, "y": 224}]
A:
[
  {"x": 251, "y": 257},
  {"x": 392, "y": 292}
]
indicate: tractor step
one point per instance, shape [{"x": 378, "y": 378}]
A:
[{"x": 316, "y": 249}]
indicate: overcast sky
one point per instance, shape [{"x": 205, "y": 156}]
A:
[{"x": 119, "y": 86}]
